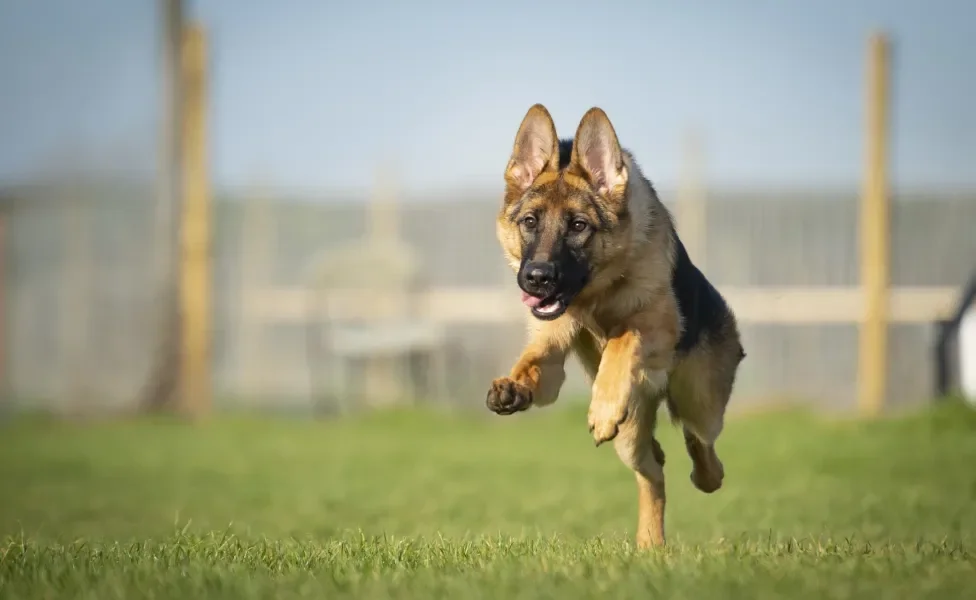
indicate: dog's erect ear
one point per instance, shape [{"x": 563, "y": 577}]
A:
[
  {"x": 536, "y": 150},
  {"x": 596, "y": 152}
]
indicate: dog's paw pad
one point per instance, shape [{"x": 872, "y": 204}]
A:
[{"x": 507, "y": 396}]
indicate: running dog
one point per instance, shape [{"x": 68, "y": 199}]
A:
[{"x": 605, "y": 277}]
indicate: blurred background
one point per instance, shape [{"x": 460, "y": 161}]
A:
[{"x": 217, "y": 205}]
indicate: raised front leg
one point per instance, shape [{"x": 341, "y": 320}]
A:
[
  {"x": 635, "y": 364},
  {"x": 539, "y": 373},
  {"x": 636, "y": 447}
]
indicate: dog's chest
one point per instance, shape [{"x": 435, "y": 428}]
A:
[{"x": 598, "y": 326}]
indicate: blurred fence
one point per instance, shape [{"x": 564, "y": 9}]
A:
[{"x": 78, "y": 292}]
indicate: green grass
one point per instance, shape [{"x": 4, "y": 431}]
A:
[{"x": 422, "y": 505}]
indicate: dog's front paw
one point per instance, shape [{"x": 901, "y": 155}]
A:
[
  {"x": 507, "y": 396},
  {"x": 605, "y": 417}
]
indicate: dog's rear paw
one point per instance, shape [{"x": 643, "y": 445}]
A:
[
  {"x": 708, "y": 480},
  {"x": 507, "y": 397}
]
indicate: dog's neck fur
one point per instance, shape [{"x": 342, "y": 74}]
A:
[{"x": 653, "y": 245}]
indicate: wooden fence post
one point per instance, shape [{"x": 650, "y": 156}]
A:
[
  {"x": 195, "y": 263},
  {"x": 874, "y": 234},
  {"x": 691, "y": 209},
  {"x": 3, "y": 309}
]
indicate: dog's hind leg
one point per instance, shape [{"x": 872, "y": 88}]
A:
[
  {"x": 707, "y": 471},
  {"x": 698, "y": 393}
]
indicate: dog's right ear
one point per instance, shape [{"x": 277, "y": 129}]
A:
[{"x": 536, "y": 150}]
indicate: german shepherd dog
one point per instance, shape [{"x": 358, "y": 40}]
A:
[{"x": 604, "y": 276}]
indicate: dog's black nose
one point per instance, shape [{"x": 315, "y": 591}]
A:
[{"x": 540, "y": 275}]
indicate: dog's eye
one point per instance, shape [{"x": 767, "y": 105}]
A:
[
  {"x": 579, "y": 225},
  {"x": 529, "y": 222}
]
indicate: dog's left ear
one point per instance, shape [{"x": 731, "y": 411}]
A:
[{"x": 596, "y": 152}]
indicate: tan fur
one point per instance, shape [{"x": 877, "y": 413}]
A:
[{"x": 624, "y": 324}]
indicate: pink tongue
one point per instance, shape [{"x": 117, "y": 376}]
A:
[{"x": 530, "y": 300}]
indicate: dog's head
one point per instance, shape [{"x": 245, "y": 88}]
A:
[{"x": 564, "y": 217}]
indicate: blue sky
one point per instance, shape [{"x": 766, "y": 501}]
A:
[{"x": 313, "y": 94}]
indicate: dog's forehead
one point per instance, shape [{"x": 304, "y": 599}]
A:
[
  {"x": 564, "y": 179},
  {"x": 559, "y": 192}
]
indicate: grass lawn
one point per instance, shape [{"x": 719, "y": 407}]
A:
[{"x": 424, "y": 505}]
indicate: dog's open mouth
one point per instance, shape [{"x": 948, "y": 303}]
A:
[{"x": 543, "y": 307}]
